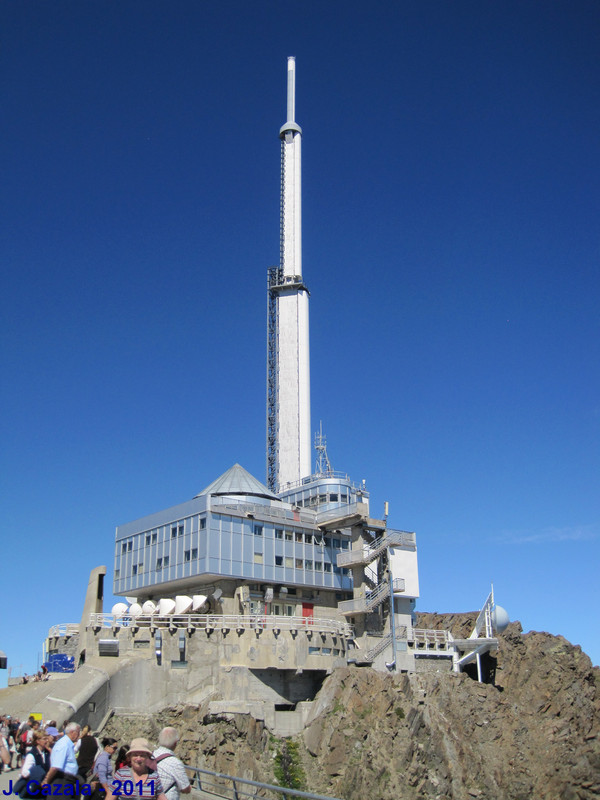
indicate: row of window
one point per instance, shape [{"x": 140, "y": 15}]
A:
[
  {"x": 306, "y": 564},
  {"x": 152, "y": 537}
]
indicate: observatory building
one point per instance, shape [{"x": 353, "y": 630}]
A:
[
  {"x": 303, "y": 547},
  {"x": 248, "y": 594}
]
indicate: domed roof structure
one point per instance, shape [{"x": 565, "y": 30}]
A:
[{"x": 238, "y": 481}]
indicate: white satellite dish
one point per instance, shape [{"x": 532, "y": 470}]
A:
[
  {"x": 119, "y": 609},
  {"x": 149, "y": 607},
  {"x": 183, "y": 603},
  {"x": 166, "y": 606},
  {"x": 135, "y": 610},
  {"x": 500, "y": 619},
  {"x": 198, "y": 601},
  {"x": 131, "y": 600}
]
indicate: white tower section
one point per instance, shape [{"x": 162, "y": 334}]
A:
[{"x": 293, "y": 432}]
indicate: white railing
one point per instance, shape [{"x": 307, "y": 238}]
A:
[
  {"x": 370, "y": 552},
  {"x": 224, "y": 622},
  {"x": 399, "y": 585},
  {"x": 64, "y": 629},
  {"x": 260, "y": 511},
  {"x": 426, "y": 637},
  {"x": 360, "y": 605}
]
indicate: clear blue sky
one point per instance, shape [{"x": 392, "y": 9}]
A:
[{"x": 451, "y": 245}]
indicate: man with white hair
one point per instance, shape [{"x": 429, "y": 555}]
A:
[
  {"x": 63, "y": 762},
  {"x": 171, "y": 771}
]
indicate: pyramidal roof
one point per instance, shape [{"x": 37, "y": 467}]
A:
[{"x": 237, "y": 480}]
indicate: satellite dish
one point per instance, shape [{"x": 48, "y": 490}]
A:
[
  {"x": 198, "y": 601},
  {"x": 135, "y": 610},
  {"x": 149, "y": 607},
  {"x": 500, "y": 619},
  {"x": 131, "y": 600},
  {"x": 183, "y": 603},
  {"x": 119, "y": 609},
  {"x": 166, "y": 606}
]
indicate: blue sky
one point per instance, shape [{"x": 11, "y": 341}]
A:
[{"x": 451, "y": 246}]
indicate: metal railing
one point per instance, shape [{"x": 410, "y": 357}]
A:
[
  {"x": 224, "y": 622},
  {"x": 370, "y": 552},
  {"x": 259, "y": 511},
  {"x": 360, "y": 605},
  {"x": 426, "y": 637},
  {"x": 64, "y": 629},
  {"x": 232, "y": 788}
]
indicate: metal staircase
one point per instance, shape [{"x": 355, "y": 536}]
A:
[{"x": 391, "y": 538}]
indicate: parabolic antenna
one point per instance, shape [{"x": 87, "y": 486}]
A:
[
  {"x": 131, "y": 600},
  {"x": 183, "y": 603},
  {"x": 149, "y": 607},
  {"x": 166, "y": 606},
  {"x": 198, "y": 601},
  {"x": 500, "y": 619},
  {"x": 135, "y": 610},
  {"x": 119, "y": 609}
]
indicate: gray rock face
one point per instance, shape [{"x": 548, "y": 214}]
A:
[{"x": 535, "y": 734}]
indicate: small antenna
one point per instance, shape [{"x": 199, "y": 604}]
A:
[{"x": 323, "y": 465}]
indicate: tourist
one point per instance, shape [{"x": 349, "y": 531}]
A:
[
  {"x": 63, "y": 763},
  {"x": 170, "y": 768},
  {"x": 86, "y": 749},
  {"x": 121, "y": 759},
  {"x": 103, "y": 768},
  {"x": 145, "y": 781}
]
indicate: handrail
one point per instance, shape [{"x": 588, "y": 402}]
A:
[
  {"x": 274, "y": 622},
  {"x": 391, "y": 538},
  {"x": 63, "y": 629},
  {"x": 206, "y": 780}
]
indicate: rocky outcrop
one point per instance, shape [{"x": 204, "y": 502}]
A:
[{"x": 534, "y": 734}]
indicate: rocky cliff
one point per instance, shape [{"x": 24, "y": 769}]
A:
[{"x": 534, "y": 734}]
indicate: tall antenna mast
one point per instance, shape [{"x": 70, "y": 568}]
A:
[
  {"x": 323, "y": 464},
  {"x": 288, "y": 354}
]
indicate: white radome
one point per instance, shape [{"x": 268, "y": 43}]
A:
[{"x": 500, "y": 619}]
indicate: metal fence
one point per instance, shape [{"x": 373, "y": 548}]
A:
[{"x": 232, "y": 788}]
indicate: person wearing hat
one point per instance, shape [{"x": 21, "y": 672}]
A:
[{"x": 144, "y": 778}]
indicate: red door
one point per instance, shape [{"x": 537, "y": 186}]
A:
[{"x": 308, "y": 613}]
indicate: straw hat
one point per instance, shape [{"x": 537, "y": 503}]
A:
[{"x": 139, "y": 746}]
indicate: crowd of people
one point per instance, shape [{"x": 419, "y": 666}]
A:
[{"x": 43, "y": 755}]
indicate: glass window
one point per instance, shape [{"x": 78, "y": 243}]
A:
[
  {"x": 148, "y": 539},
  {"x": 327, "y": 567},
  {"x": 326, "y": 651},
  {"x": 134, "y": 569},
  {"x": 154, "y": 537},
  {"x": 313, "y": 651},
  {"x": 344, "y": 498},
  {"x": 333, "y": 498},
  {"x": 258, "y": 558},
  {"x": 279, "y": 533},
  {"x": 289, "y": 562},
  {"x": 299, "y": 563},
  {"x": 202, "y": 523},
  {"x": 173, "y": 532},
  {"x": 318, "y": 566},
  {"x": 322, "y": 498},
  {"x": 129, "y": 546},
  {"x": 336, "y": 542},
  {"x": 117, "y": 573},
  {"x": 278, "y": 561},
  {"x": 288, "y": 536},
  {"x": 258, "y": 530},
  {"x": 298, "y": 536},
  {"x": 124, "y": 547},
  {"x": 180, "y": 530},
  {"x": 308, "y": 538},
  {"x": 186, "y": 555},
  {"x": 345, "y": 544},
  {"x": 194, "y": 553},
  {"x": 166, "y": 561},
  {"x": 308, "y": 564},
  {"x": 159, "y": 563}
]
